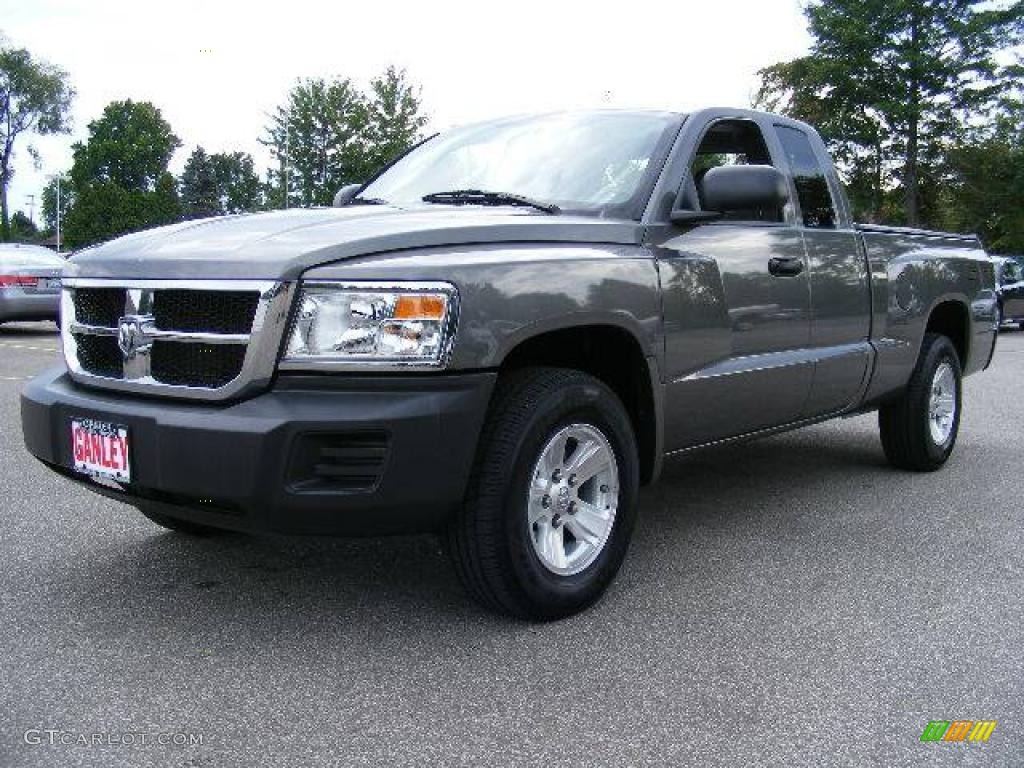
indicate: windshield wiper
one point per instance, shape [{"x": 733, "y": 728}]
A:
[
  {"x": 483, "y": 197},
  {"x": 367, "y": 201}
]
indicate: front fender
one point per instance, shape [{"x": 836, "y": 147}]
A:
[{"x": 510, "y": 293}]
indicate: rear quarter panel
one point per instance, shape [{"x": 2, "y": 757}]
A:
[{"x": 912, "y": 273}]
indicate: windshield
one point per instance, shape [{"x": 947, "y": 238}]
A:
[{"x": 603, "y": 162}]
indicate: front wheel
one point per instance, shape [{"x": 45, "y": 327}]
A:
[
  {"x": 920, "y": 429},
  {"x": 552, "y": 500}
]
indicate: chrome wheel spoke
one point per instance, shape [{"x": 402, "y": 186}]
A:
[
  {"x": 587, "y": 460},
  {"x": 538, "y": 496},
  {"x": 587, "y": 523},
  {"x": 572, "y": 500},
  {"x": 553, "y": 456},
  {"x": 552, "y": 542},
  {"x": 942, "y": 404}
]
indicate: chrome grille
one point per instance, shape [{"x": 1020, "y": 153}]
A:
[
  {"x": 99, "y": 306},
  {"x": 199, "y": 339},
  {"x": 199, "y": 311}
]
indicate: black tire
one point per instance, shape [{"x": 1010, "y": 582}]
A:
[
  {"x": 904, "y": 423},
  {"x": 489, "y": 539},
  {"x": 179, "y": 526}
]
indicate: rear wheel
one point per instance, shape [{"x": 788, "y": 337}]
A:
[
  {"x": 552, "y": 500},
  {"x": 920, "y": 429}
]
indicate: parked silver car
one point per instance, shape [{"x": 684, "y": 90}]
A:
[{"x": 29, "y": 282}]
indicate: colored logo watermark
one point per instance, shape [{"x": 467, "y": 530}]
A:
[{"x": 958, "y": 730}]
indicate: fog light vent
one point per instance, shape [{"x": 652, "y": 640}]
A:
[{"x": 350, "y": 462}]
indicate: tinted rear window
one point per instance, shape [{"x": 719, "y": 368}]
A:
[{"x": 809, "y": 177}]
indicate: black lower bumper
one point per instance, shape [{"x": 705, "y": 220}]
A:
[{"x": 314, "y": 455}]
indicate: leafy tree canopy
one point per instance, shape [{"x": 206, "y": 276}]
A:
[
  {"x": 50, "y": 202},
  {"x": 130, "y": 145},
  {"x": 119, "y": 178},
  {"x": 22, "y": 228},
  {"x": 329, "y": 133},
  {"x": 984, "y": 192},
  {"x": 218, "y": 184},
  {"x": 35, "y": 97},
  {"x": 892, "y": 84}
]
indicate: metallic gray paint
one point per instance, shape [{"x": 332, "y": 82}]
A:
[
  {"x": 911, "y": 274},
  {"x": 734, "y": 349},
  {"x": 510, "y": 293},
  {"x": 281, "y": 245}
]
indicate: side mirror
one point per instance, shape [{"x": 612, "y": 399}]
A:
[
  {"x": 743, "y": 188},
  {"x": 344, "y": 195}
]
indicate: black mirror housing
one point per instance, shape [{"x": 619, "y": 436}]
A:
[
  {"x": 344, "y": 195},
  {"x": 743, "y": 188}
]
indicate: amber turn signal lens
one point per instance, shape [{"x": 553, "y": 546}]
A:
[{"x": 420, "y": 307}]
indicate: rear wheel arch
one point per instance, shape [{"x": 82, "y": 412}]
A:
[{"x": 951, "y": 318}]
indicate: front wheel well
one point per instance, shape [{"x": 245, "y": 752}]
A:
[
  {"x": 952, "y": 320},
  {"x": 608, "y": 353}
]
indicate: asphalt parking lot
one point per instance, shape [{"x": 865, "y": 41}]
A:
[{"x": 790, "y": 602}]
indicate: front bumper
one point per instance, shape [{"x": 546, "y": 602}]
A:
[{"x": 259, "y": 464}]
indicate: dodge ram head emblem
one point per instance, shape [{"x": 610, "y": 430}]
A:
[{"x": 131, "y": 335}]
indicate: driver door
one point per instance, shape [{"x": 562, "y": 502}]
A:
[{"x": 736, "y": 331}]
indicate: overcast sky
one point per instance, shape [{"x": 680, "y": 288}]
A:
[{"x": 216, "y": 68}]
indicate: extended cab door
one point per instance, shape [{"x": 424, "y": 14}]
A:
[
  {"x": 736, "y": 335},
  {"x": 838, "y": 272}
]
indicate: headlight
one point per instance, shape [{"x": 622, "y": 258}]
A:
[{"x": 343, "y": 325}]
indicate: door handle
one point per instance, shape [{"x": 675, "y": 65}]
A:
[{"x": 786, "y": 267}]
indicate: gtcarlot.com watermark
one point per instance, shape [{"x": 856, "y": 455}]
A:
[{"x": 55, "y": 737}]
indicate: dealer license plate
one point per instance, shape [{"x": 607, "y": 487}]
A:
[{"x": 100, "y": 449}]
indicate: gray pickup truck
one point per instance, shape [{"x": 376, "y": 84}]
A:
[{"x": 500, "y": 338}]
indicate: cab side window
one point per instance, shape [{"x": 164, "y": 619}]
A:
[
  {"x": 809, "y": 177},
  {"x": 733, "y": 142}
]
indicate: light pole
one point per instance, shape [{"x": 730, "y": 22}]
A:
[
  {"x": 287, "y": 151},
  {"x": 56, "y": 178}
]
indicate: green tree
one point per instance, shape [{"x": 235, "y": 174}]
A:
[
  {"x": 985, "y": 188},
  {"x": 23, "y": 229},
  {"x": 199, "y": 194},
  {"x": 218, "y": 184},
  {"x": 238, "y": 185},
  {"x": 119, "y": 177},
  {"x": 894, "y": 83},
  {"x": 317, "y": 138},
  {"x": 329, "y": 134},
  {"x": 130, "y": 145},
  {"x": 35, "y": 97},
  {"x": 394, "y": 117},
  {"x": 49, "y": 204}
]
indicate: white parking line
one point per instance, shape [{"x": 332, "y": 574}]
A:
[
  {"x": 10, "y": 345},
  {"x": 15, "y": 378}
]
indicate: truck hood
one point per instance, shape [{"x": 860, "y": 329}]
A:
[{"x": 281, "y": 245}]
